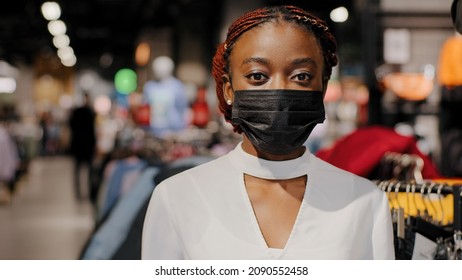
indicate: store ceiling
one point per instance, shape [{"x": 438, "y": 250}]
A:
[{"x": 96, "y": 27}]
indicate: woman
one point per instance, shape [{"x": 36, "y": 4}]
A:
[{"x": 270, "y": 198}]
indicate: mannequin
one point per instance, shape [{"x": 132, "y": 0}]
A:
[{"x": 167, "y": 98}]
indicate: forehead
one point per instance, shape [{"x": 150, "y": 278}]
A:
[{"x": 277, "y": 40}]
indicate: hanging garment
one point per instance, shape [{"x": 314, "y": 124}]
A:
[
  {"x": 205, "y": 213},
  {"x": 130, "y": 249},
  {"x": 9, "y": 162},
  {"x": 425, "y": 217},
  {"x": 420, "y": 240},
  {"x": 109, "y": 236},
  {"x": 123, "y": 175},
  {"x": 361, "y": 151}
]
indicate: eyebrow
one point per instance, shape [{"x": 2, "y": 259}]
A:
[
  {"x": 260, "y": 60},
  {"x": 264, "y": 61},
  {"x": 305, "y": 60}
]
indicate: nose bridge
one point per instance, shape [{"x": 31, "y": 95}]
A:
[{"x": 279, "y": 82}]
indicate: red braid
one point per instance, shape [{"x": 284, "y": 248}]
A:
[{"x": 251, "y": 19}]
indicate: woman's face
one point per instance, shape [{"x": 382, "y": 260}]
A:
[{"x": 275, "y": 56}]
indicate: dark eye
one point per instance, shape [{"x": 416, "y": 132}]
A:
[
  {"x": 302, "y": 77},
  {"x": 256, "y": 76}
]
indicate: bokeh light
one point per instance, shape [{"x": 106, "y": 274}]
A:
[{"x": 125, "y": 81}]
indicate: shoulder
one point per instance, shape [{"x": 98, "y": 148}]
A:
[
  {"x": 328, "y": 169},
  {"x": 344, "y": 182},
  {"x": 207, "y": 171},
  {"x": 193, "y": 190},
  {"x": 197, "y": 178}
]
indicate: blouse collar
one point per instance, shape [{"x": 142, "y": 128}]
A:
[{"x": 269, "y": 169}]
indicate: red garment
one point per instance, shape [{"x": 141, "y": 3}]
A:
[{"x": 361, "y": 151}]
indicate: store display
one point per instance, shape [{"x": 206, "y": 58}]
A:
[{"x": 427, "y": 218}]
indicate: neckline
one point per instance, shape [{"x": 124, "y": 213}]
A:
[
  {"x": 248, "y": 164},
  {"x": 268, "y": 169}
]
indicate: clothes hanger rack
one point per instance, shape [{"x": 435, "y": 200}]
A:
[
  {"x": 424, "y": 221},
  {"x": 428, "y": 187}
]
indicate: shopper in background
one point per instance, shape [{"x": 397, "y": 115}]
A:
[
  {"x": 83, "y": 144},
  {"x": 270, "y": 198},
  {"x": 43, "y": 122}
]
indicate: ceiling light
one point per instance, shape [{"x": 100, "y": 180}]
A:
[
  {"x": 57, "y": 27},
  {"x": 339, "y": 14},
  {"x": 61, "y": 41},
  {"x": 65, "y": 53},
  {"x": 69, "y": 61},
  {"x": 7, "y": 85},
  {"x": 51, "y": 10}
]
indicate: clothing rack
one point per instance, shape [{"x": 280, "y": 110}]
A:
[{"x": 426, "y": 188}]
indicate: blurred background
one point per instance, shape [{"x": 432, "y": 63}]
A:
[{"x": 145, "y": 66}]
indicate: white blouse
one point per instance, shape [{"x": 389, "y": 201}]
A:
[{"x": 205, "y": 213}]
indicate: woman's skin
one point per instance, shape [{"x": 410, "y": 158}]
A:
[{"x": 275, "y": 55}]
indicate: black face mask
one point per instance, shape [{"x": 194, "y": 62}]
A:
[{"x": 277, "y": 121}]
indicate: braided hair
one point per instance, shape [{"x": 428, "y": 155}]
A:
[{"x": 257, "y": 17}]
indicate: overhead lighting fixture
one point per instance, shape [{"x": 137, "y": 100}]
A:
[
  {"x": 57, "y": 27},
  {"x": 51, "y": 10},
  {"x": 7, "y": 85},
  {"x": 65, "y": 53},
  {"x": 61, "y": 41},
  {"x": 339, "y": 14},
  {"x": 69, "y": 61}
]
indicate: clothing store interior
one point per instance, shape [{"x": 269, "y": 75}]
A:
[{"x": 102, "y": 100}]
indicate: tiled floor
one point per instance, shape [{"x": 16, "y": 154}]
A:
[{"x": 43, "y": 220}]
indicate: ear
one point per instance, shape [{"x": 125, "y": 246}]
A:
[{"x": 228, "y": 92}]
